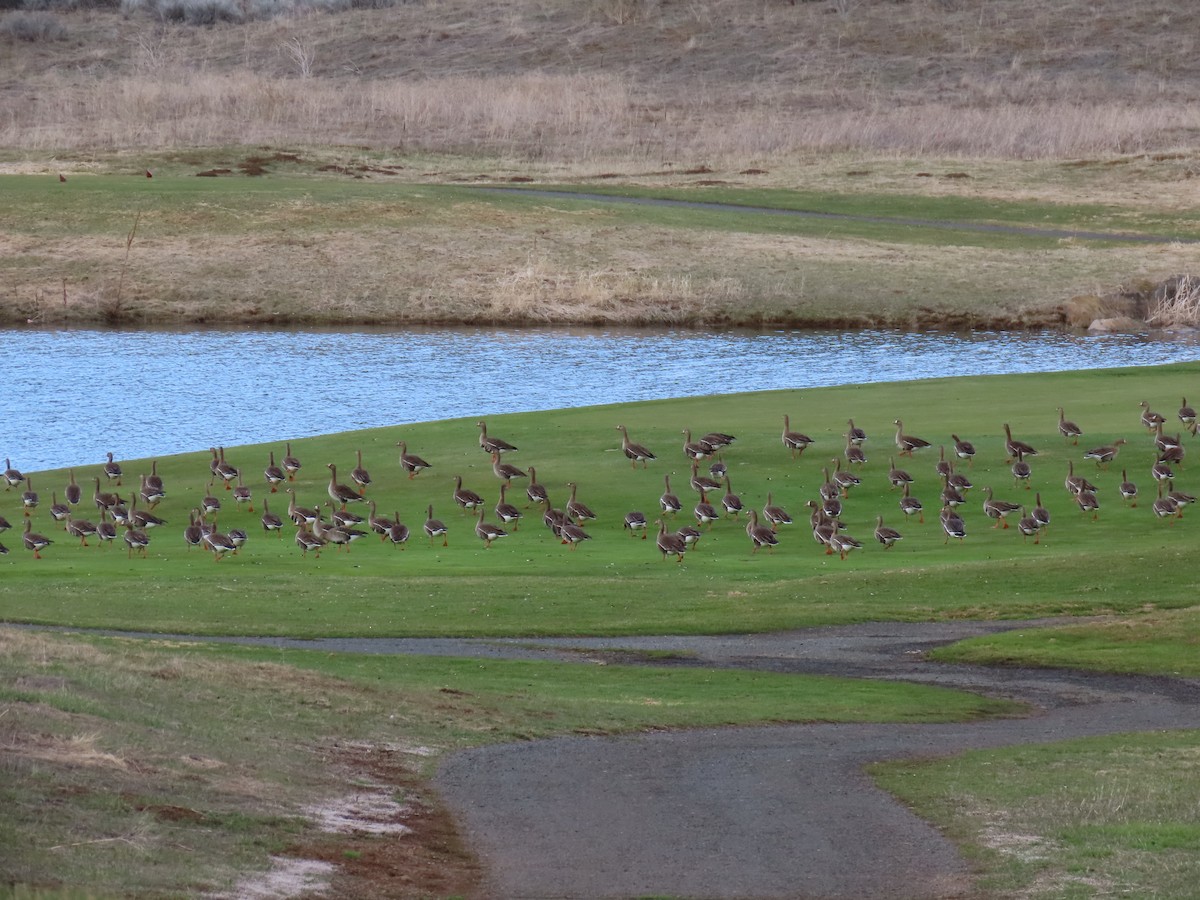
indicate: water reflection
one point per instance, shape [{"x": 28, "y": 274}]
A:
[{"x": 72, "y": 395}]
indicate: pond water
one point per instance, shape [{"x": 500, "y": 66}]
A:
[{"x": 70, "y": 396}]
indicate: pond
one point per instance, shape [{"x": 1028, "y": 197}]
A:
[{"x": 73, "y": 395}]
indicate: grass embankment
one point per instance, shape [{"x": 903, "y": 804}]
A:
[{"x": 300, "y": 247}]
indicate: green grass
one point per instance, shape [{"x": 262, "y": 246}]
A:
[
  {"x": 528, "y": 584},
  {"x": 1101, "y": 817}
]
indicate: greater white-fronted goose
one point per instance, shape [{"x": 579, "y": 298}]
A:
[
  {"x": 306, "y": 540},
  {"x": 377, "y": 523},
  {"x": 823, "y": 527},
  {"x": 856, "y": 434},
  {"x": 398, "y": 532},
  {"x": 506, "y": 472},
  {"x": 359, "y": 475},
  {"x": 854, "y": 453},
  {"x": 141, "y": 518},
  {"x": 270, "y": 521},
  {"x": 702, "y": 483},
  {"x": 667, "y": 501},
  {"x": 29, "y": 497},
  {"x": 341, "y": 537},
  {"x": 774, "y": 514},
  {"x": 731, "y": 501},
  {"x": 843, "y": 544},
  {"x": 1029, "y": 526},
  {"x": 1187, "y": 415},
  {"x": 1163, "y": 507},
  {"x": 290, "y": 463},
  {"x": 1076, "y": 484},
  {"x": 795, "y": 441},
  {"x": 487, "y": 532},
  {"x": 507, "y": 512},
  {"x": 1128, "y": 490},
  {"x": 301, "y": 516},
  {"x": 1021, "y": 471},
  {"x": 695, "y": 450},
  {"x": 669, "y": 544},
  {"x": 120, "y": 512},
  {"x": 963, "y": 449},
  {"x": 243, "y": 494},
  {"x": 718, "y": 470},
  {"x": 690, "y": 534},
  {"x": 942, "y": 467},
  {"x": 193, "y": 534},
  {"x": 760, "y": 535},
  {"x": 898, "y": 478},
  {"x": 154, "y": 480},
  {"x": 959, "y": 481},
  {"x": 4, "y": 524},
  {"x": 340, "y": 493},
  {"x": 1161, "y": 471},
  {"x": 12, "y": 475},
  {"x": 1180, "y": 498},
  {"x": 226, "y": 471},
  {"x": 106, "y": 531},
  {"x": 998, "y": 509},
  {"x": 572, "y": 534},
  {"x": 238, "y": 537},
  {"x": 885, "y": 535},
  {"x": 465, "y": 498},
  {"x": 1106, "y": 454},
  {"x": 553, "y": 518},
  {"x": 952, "y": 524},
  {"x": 492, "y": 444},
  {"x": 112, "y": 470},
  {"x": 718, "y": 440},
  {"x": 635, "y": 523},
  {"x": 34, "y": 541},
  {"x": 1163, "y": 441},
  {"x": 706, "y": 514},
  {"x": 218, "y": 543},
  {"x": 635, "y": 453},
  {"x": 832, "y": 507},
  {"x": 136, "y": 540},
  {"x": 576, "y": 510},
  {"x": 1088, "y": 502},
  {"x": 274, "y": 474},
  {"x": 80, "y": 528},
  {"x": 952, "y": 496},
  {"x": 344, "y": 518},
  {"x": 535, "y": 490},
  {"x": 3, "y": 550},
  {"x": 911, "y": 506},
  {"x": 410, "y": 462},
  {"x": 844, "y": 479},
  {"x": 828, "y": 489},
  {"x": 1150, "y": 419},
  {"x": 1068, "y": 429},
  {"x": 73, "y": 493},
  {"x": 435, "y": 528},
  {"x": 907, "y": 443},
  {"x": 58, "y": 511},
  {"x": 150, "y": 494},
  {"x": 1013, "y": 447},
  {"x": 1172, "y": 455}
]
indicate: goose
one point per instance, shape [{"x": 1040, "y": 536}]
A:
[
  {"x": 702, "y": 483},
  {"x": 506, "y": 512},
  {"x": 410, "y": 462},
  {"x": 210, "y": 503},
  {"x": 34, "y": 541},
  {"x": 275, "y": 475},
  {"x": 1172, "y": 454},
  {"x": 1187, "y": 415},
  {"x": 360, "y": 475},
  {"x": 553, "y": 518},
  {"x": 828, "y": 489},
  {"x": 854, "y": 453},
  {"x": 154, "y": 480},
  {"x": 238, "y": 537},
  {"x": 59, "y": 512},
  {"x": 856, "y": 434},
  {"x": 73, "y": 493},
  {"x": 963, "y": 449},
  {"x": 151, "y": 494},
  {"x": 337, "y": 535},
  {"x": 1076, "y": 484},
  {"x": 843, "y": 544},
  {"x": 136, "y": 539},
  {"x": 1012, "y": 446},
  {"x": 832, "y": 507},
  {"x": 690, "y": 534},
  {"x": 193, "y": 534},
  {"x": 952, "y": 524},
  {"x": 4, "y": 524},
  {"x": 795, "y": 441},
  {"x": 898, "y": 478},
  {"x": 398, "y": 532},
  {"x": 635, "y": 453},
  {"x": 958, "y": 481},
  {"x": 998, "y": 509},
  {"x": 12, "y": 476},
  {"x": 823, "y": 528},
  {"x": 695, "y": 450},
  {"x": 29, "y": 497},
  {"x": 140, "y": 518},
  {"x": 1150, "y": 418},
  {"x": 1164, "y": 442},
  {"x": 492, "y": 444},
  {"x": 290, "y": 463},
  {"x": 951, "y": 496},
  {"x": 731, "y": 501},
  {"x": 1029, "y": 525},
  {"x": 80, "y": 528},
  {"x": 1164, "y": 507},
  {"x": 300, "y": 515},
  {"x": 1068, "y": 429},
  {"x": 942, "y": 467},
  {"x": 669, "y": 544},
  {"x": 377, "y": 523},
  {"x": 271, "y": 521},
  {"x": 570, "y": 533},
  {"x": 634, "y": 523},
  {"x": 435, "y": 528},
  {"x": 1088, "y": 502},
  {"x": 669, "y": 503},
  {"x": 487, "y": 532},
  {"x": 705, "y": 512},
  {"x": 112, "y": 470},
  {"x": 535, "y": 491},
  {"x": 106, "y": 531},
  {"x": 243, "y": 494},
  {"x": 1021, "y": 471},
  {"x": 306, "y": 540},
  {"x": 1104, "y": 455},
  {"x": 226, "y": 471},
  {"x": 1161, "y": 471},
  {"x": 3, "y": 550},
  {"x": 218, "y": 543},
  {"x": 775, "y": 515},
  {"x": 760, "y": 535},
  {"x": 718, "y": 440},
  {"x": 718, "y": 470},
  {"x": 886, "y": 536},
  {"x": 343, "y": 518},
  {"x": 844, "y": 479},
  {"x": 1127, "y": 489},
  {"x": 465, "y": 498},
  {"x": 340, "y": 493},
  {"x": 576, "y": 510},
  {"x": 907, "y": 442},
  {"x": 1180, "y": 498},
  {"x": 505, "y": 471},
  {"x": 119, "y": 512},
  {"x": 911, "y": 506}
]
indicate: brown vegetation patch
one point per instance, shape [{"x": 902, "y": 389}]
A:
[
  {"x": 214, "y": 173},
  {"x": 753, "y": 172}
]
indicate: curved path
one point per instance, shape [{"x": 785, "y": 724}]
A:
[{"x": 782, "y": 811}]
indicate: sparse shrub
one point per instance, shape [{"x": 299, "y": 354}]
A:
[
  {"x": 66, "y": 5},
  {"x": 623, "y": 12},
  {"x": 188, "y": 12},
  {"x": 33, "y": 26},
  {"x": 1176, "y": 302}
]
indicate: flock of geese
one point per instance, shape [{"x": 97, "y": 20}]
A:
[{"x": 333, "y": 523}]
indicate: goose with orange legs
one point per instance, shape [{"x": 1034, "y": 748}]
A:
[
  {"x": 731, "y": 501},
  {"x": 843, "y": 544},
  {"x": 669, "y": 544},
  {"x": 1149, "y": 418},
  {"x": 274, "y": 474},
  {"x": 576, "y": 509},
  {"x": 80, "y": 528},
  {"x": 1068, "y": 429},
  {"x": 490, "y": 444},
  {"x": 635, "y": 523},
  {"x": 907, "y": 443},
  {"x": 1021, "y": 471},
  {"x": 998, "y": 509},
  {"x": 151, "y": 494},
  {"x": 34, "y": 541},
  {"x": 488, "y": 532},
  {"x": 690, "y": 534},
  {"x": 844, "y": 479},
  {"x": 1029, "y": 527},
  {"x": 885, "y": 535},
  {"x": 1076, "y": 484},
  {"x": 112, "y": 470},
  {"x": 1187, "y": 415},
  {"x": 1128, "y": 490},
  {"x": 359, "y": 475},
  {"x": 702, "y": 483},
  {"x": 465, "y": 498},
  {"x": 435, "y": 528},
  {"x": 301, "y": 516},
  {"x": 706, "y": 514},
  {"x": 635, "y": 453},
  {"x": 506, "y": 472},
  {"x": 897, "y": 478},
  {"x": 911, "y": 506},
  {"x": 270, "y": 521},
  {"x": 760, "y": 535},
  {"x": 307, "y": 540},
  {"x": 29, "y": 497},
  {"x": 668, "y": 501},
  {"x": 1088, "y": 502},
  {"x": 1181, "y": 498},
  {"x": 410, "y": 462},
  {"x": 340, "y": 494},
  {"x": 854, "y": 453},
  {"x": 1014, "y": 447},
  {"x": 506, "y": 512},
  {"x": 226, "y": 471},
  {"x": 774, "y": 514},
  {"x": 243, "y": 495},
  {"x": 12, "y": 475},
  {"x": 398, "y": 532},
  {"x": 795, "y": 441},
  {"x": 695, "y": 450},
  {"x": 1164, "y": 507},
  {"x": 58, "y": 511},
  {"x": 572, "y": 534},
  {"x": 963, "y": 449},
  {"x": 952, "y": 524},
  {"x": 154, "y": 481},
  {"x": 856, "y": 434},
  {"x": 291, "y": 464},
  {"x": 535, "y": 490},
  {"x": 1106, "y": 454},
  {"x": 136, "y": 540},
  {"x": 73, "y": 493}
]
